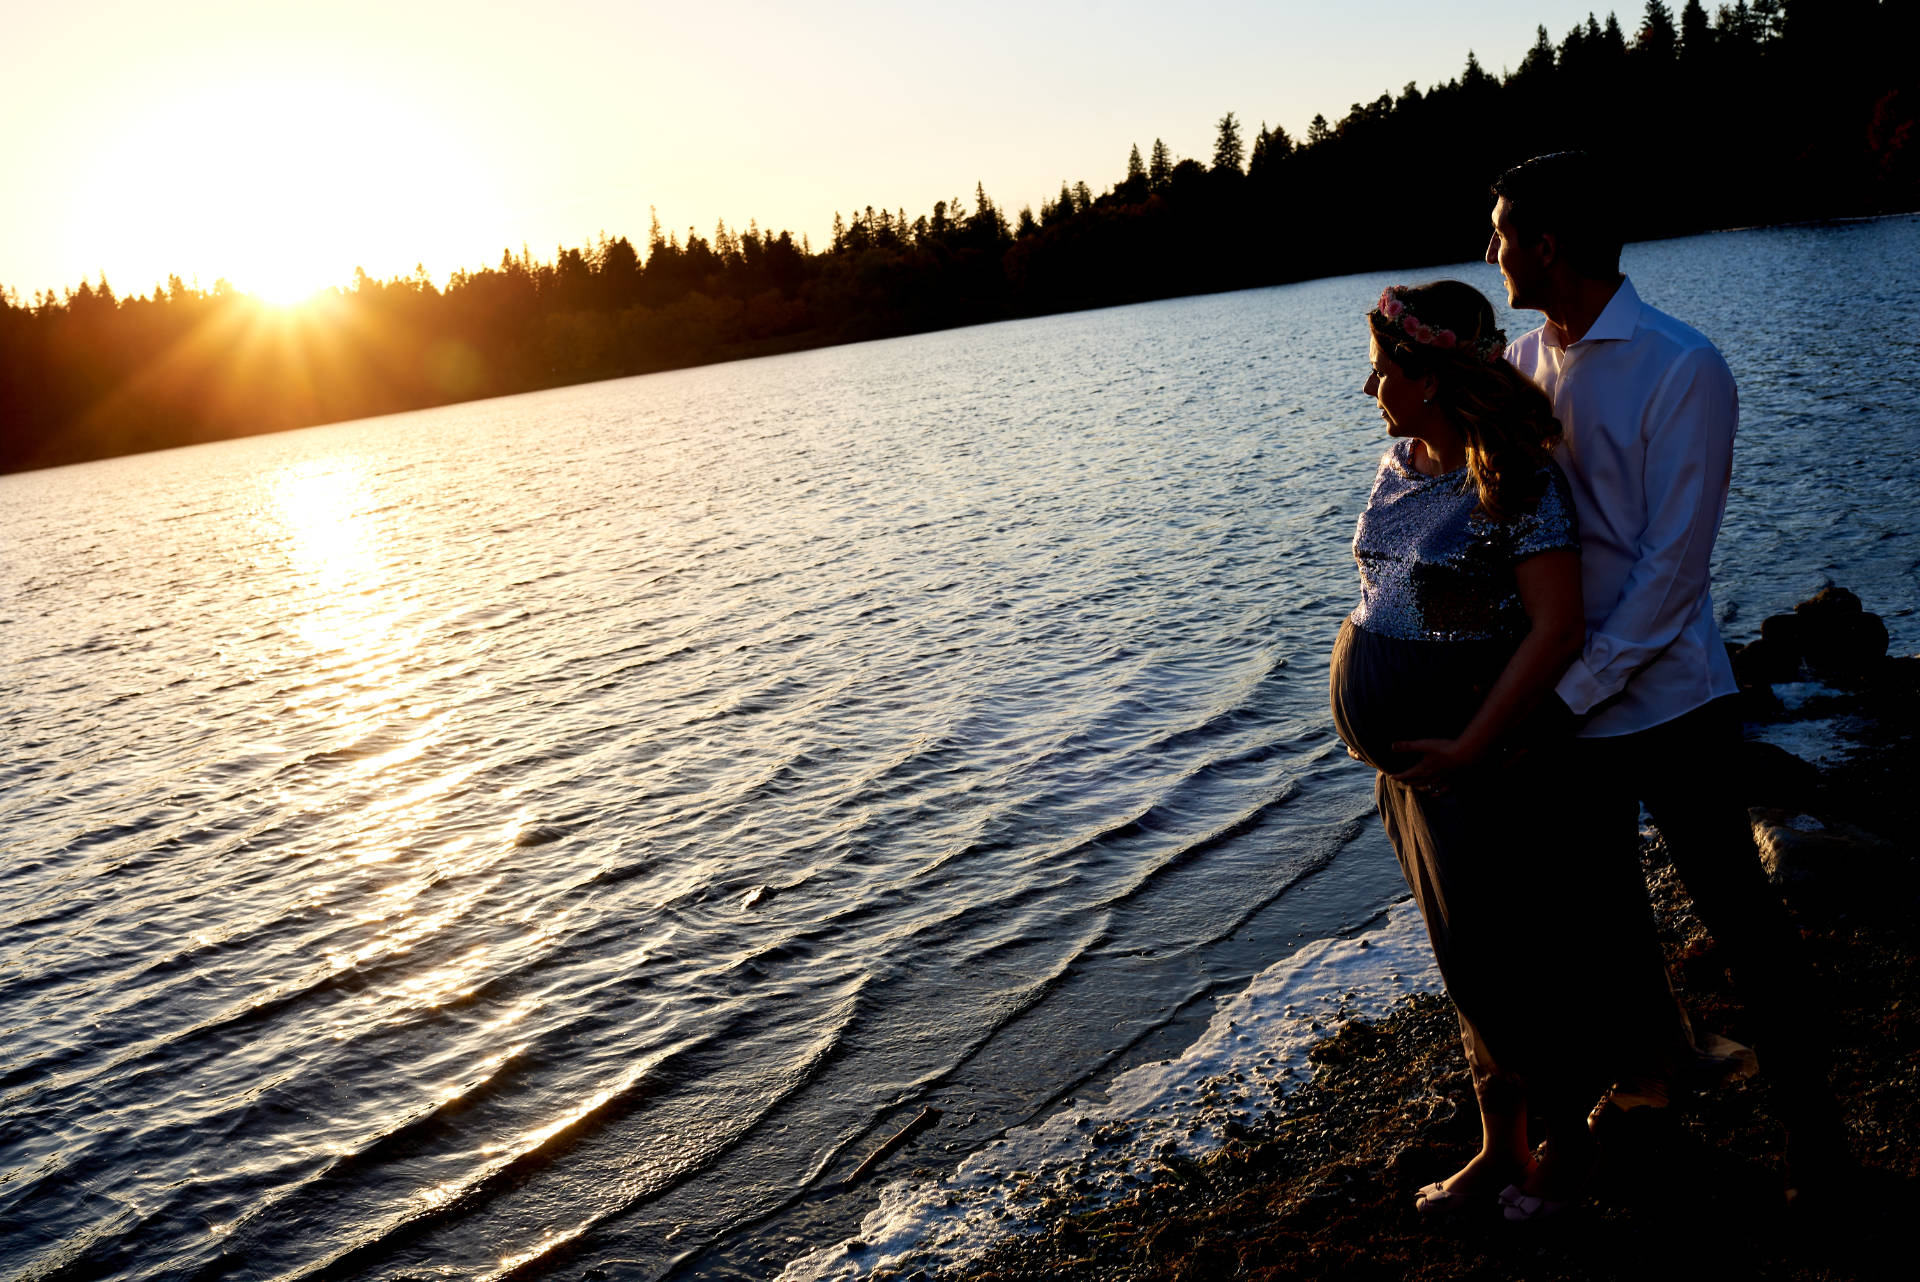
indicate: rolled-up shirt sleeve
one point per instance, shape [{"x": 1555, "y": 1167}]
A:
[{"x": 1688, "y": 433}]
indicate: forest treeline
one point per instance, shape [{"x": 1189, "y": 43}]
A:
[{"x": 1759, "y": 112}]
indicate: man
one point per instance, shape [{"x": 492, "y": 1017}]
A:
[{"x": 1649, "y": 411}]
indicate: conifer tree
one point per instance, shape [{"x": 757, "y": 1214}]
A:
[
  {"x": 1573, "y": 49},
  {"x": 1538, "y": 64},
  {"x": 1160, "y": 168},
  {"x": 1474, "y": 77},
  {"x": 1271, "y": 147},
  {"x": 1136, "y": 168},
  {"x": 1696, "y": 37},
  {"x": 1228, "y": 151},
  {"x": 1612, "y": 40},
  {"x": 1657, "y": 40},
  {"x": 1734, "y": 30}
]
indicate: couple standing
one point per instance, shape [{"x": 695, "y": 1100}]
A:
[{"x": 1534, "y": 560}]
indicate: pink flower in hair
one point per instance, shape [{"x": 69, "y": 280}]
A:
[
  {"x": 1391, "y": 307},
  {"x": 1411, "y": 325},
  {"x": 1444, "y": 338}
]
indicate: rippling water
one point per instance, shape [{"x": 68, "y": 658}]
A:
[{"x": 577, "y": 828}]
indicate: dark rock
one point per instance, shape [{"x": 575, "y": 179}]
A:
[
  {"x": 1828, "y": 635},
  {"x": 1771, "y": 775},
  {"x": 1840, "y": 642},
  {"x": 1799, "y": 847},
  {"x": 1761, "y": 663},
  {"x": 1845, "y": 650},
  {"x": 1828, "y": 602},
  {"x": 1783, "y": 630}
]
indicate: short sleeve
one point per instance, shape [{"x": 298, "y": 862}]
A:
[{"x": 1552, "y": 524}]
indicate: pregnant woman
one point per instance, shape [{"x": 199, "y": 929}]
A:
[{"x": 1469, "y": 610}]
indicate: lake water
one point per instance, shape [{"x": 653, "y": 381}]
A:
[{"x": 572, "y": 831}]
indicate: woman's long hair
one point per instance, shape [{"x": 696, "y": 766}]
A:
[{"x": 1502, "y": 416}]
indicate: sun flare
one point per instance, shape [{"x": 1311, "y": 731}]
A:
[{"x": 284, "y": 185}]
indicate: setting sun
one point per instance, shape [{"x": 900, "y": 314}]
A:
[{"x": 284, "y": 184}]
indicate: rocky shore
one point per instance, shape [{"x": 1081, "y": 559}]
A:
[{"x": 1324, "y": 1187}]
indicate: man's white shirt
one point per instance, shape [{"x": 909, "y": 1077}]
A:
[{"x": 1649, "y": 410}]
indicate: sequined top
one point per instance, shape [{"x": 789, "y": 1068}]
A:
[{"x": 1434, "y": 568}]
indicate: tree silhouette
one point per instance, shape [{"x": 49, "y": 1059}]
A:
[
  {"x": 1228, "y": 153},
  {"x": 1696, "y": 37},
  {"x": 1657, "y": 41},
  {"x": 1826, "y": 127},
  {"x": 1160, "y": 168}
]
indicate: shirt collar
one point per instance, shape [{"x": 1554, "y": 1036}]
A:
[{"x": 1618, "y": 318}]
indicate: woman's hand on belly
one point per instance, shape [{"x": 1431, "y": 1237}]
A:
[{"x": 1439, "y": 763}]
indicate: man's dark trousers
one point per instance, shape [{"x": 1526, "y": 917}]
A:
[{"x": 1685, "y": 772}]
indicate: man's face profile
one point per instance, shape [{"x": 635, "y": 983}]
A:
[{"x": 1519, "y": 260}]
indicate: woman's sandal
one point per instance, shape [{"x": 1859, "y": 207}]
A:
[{"x": 1438, "y": 1199}]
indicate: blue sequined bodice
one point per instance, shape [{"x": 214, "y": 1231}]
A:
[{"x": 1434, "y": 568}]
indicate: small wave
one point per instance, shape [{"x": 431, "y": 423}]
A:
[
  {"x": 602, "y": 1110},
  {"x": 544, "y": 834},
  {"x": 1252, "y": 1053}
]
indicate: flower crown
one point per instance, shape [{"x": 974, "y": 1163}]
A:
[{"x": 1393, "y": 306}]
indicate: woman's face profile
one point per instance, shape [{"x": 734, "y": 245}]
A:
[{"x": 1400, "y": 398}]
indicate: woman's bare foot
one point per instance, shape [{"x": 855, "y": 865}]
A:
[{"x": 1479, "y": 1179}]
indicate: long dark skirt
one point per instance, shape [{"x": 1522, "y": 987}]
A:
[{"x": 1545, "y": 940}]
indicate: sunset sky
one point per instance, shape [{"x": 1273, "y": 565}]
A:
[{"x": 281, "y": 145}]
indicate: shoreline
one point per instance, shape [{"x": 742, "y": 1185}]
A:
[
  {"x": 817, "y": 339},
  {"x": 1322, "y": 1183}
]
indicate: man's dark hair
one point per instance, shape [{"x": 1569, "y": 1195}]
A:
[{"x": 1572, "y": 195}]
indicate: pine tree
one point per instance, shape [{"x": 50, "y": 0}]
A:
[
  {"x": 1573, "y": 49},
  {"x": 987, "y": 223},
  {"x": 1474, "y": 77},
  {"x": 1696, "y": 37},
  {"x": 1734, "y": 30},
  {"x": 1318, "y": 131},
  {"x": 1136, "y": 168},
  {"x": 1538, "y": 64},
  {"x": 1612, "y": 39},
  {"x": 1657, "y": 40},
  {"x": 1271, "y": 147},
  {"x": 1160, "y": 168},
  {"x": 1228, "y": 152}
]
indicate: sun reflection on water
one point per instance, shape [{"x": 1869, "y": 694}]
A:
[{"x": 334, "y": 544}]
